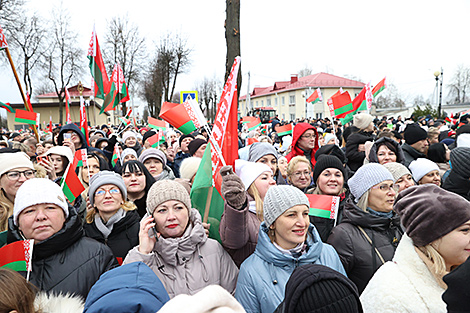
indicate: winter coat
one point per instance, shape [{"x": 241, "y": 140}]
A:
[
  {"x": 359, "y": 257},
  {"x": 356, "y": 158},
  {"x": 404, "y": 285},
  {"x": 60, "y": 303},
  {"x": 137, "y": 148},
  {"x": 123, "y": 237},
  {"x": 67, "y": 262},
  {"x": 239, "y": 232},
  {"x": 299, "y": 129},
  {"x": 129, "y": 288},
  {"x": 75, "y": 129},
  {"x": 264, "y": 275},
  {"x": 141, "y": 205},
  {"x": 179, "y": 157},
  {"x": 457, "y": 184},
  {"x": 189, "y": 263},
  {"x": 411, "y": 154},
  {"x": 373, "y": 150}
]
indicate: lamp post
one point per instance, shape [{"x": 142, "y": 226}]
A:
[{"x": 438, "y": 75}]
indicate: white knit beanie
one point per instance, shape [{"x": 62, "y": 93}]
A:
[
  {"x": 127, "y": 151},
  {"x": 9, "y": 161},
  {"x": 279, "y": 199},
  {"x": 38, "y": 191},
  {"x": 420, "y": 167},
  {"x": 128, "y": 134},
  {"x": 61, "y": 150},
  {"x": 362, "y": 120},
  {"x": 397, "y": 170},
  {"x": 366, "y": 177},
  {"x": 249, "y": 171},
  {"x": 189, "y": 167}
]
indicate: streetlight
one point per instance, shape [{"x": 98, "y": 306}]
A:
[{"x": 438, "y": 75}]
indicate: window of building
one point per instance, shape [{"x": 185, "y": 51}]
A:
[
  {"x": 319, "y": 115},
  {"x": 268, "y": 102},
  {"x": 283, "y": 116},
  {"x": 292, "y": 117},
  {"x": 262, "y": 103},
  {"x": 275, "y": 102},
  {"x": 256, "y": 103},
  {"x": 291, "y": 100},
  {"x": 283, "y": 100}
]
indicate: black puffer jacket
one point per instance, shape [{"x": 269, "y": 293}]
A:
[
  {"x": 356, "y": 158},
  {"x": 67, "y": 262},
  {"x": 123, "y": 237},
  {"x": 457, "y": 184},
  {"x": 358, "y": 256}
]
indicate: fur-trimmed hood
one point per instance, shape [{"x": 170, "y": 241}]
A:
[{"x": 61, "y": 303}]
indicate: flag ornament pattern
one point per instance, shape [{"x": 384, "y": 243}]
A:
[
  {"x": 315, "y": 97},
  {"x": 7, "y": 107},
  {"x": 97, "y": 67},
  {"x": 362, "y": 102},
  {"x": 284, "y": 130},
  {"x": 17, "y": 255},
  {"x": 254, "y": 124},
  {"x": 176, "y": 115},
  {"x": 194, "y": 112},
  {"x": 3, "y": 40},
  {"x": 323, "y": 206},
  {"x": 26, "y": 117}
]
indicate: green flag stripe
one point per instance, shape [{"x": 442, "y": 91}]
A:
[
  {"x": 315, "y": 101},
  {"x": 288, "y": 132},
  {"x": 254, "y": 127},
  {"x": 68, "y": 193},
  {"x": 187, "y": 128},
  {"x": 319, "y": 213},
  {"x": 22, "y": 120},
  {"x": 16, "y": 266},
  {"x": 344, "y": 109},
  {"x": 156, "y": 127},
  {"x": 7, "y": 107},
  {"x": 379, "y": 91}
]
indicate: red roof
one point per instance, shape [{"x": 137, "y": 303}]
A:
[
  {"x": 73, "y": 91},
  {"x": 322, "y": 80}
]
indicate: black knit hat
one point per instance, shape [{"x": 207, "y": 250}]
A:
[
  {"x": 328, "y": 161},
  {"x": 458, "y": 290},
  {"x": 195, "y": 144},
  {"x": 317, "y": 288},
  {"x": 414, "y": 133},
  {"x": 459, "y": 161},
  {"x": 331, "y": 150},
  {"x": 147, "y": 135},
  {"x": 437, "y": 153},
  {"x": 183, "y": 137}
]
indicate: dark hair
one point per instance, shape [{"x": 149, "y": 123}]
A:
[
  {"x": 437, "y": 152},
  {"x": 134, "y": 166},
  {"x": 388, "y": 145},
  {"x": 102, "y": 162},
  {"x": 15, "y": 292}
]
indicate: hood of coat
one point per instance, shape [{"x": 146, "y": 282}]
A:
[
  {"x": 178, "y": 250},
  {"x": 266, "y": 250},
  {"x": 58, "y": 303},
  {"x": 136, "y": 281},
  {"x": 352, "y": 214},
  {"x": 299, "y": 129},
  {"x": 373, "y": 150},
  {"x": 64, "y": 238},
  {"x": 75, "y": 129}
]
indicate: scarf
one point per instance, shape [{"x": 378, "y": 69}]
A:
[
  {"x": 107, "y": 228},
  {"x": 380, "y": 214},
  {"x": 295, "y": 252}
]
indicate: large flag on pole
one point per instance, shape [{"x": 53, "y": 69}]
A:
[
  {"x": 156, "y": 123},
  {"x": 176, "y": 115},
  {"x": 284, "y": 130},
  {"x": 254, "y": 124},
  {"x": 7, "y": 107},
  {"x": 83, "y": 120},
  {"x": 315, "y": 96},
  {"x": 97, "y": 67},
  {"x": 68, "y": 118},
  {"x": 362, "y": 102},
  {"x": 342, "y": 104},
  {"x": 379, "y": 87}
]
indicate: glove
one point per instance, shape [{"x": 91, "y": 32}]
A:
[{"x": 233, "y": 189}]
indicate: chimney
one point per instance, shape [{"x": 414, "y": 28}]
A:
[{"x": 294, "y": 78}]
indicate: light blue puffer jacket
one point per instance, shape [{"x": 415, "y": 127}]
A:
[{"x": 263, "y": 276}]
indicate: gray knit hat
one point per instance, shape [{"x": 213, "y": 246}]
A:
[
  {"x": 459, "y": 161},
  {"x": 165, "y": 190},
  {"x": 366, "y": 177},
  {"x": 397, "y": 170},
  {"x": 153, "y": 153},
  {"x": 105, "y": 178},
  {"x": 279, "y": 199},
  {"x": 259, "y": 150}
]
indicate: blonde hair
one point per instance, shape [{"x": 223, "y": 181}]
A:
[
  {"x": 6, "y": 210},
  {"x": 293, "y": 163},
  {"x": 253, "y": 191},
  {"x": 363, "y": 201},
  {"x": 438, "y": 262},
  {"x": 126, "y": 206}
]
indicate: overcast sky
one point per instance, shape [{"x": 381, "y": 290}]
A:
[{"x": 407, "y": 41}]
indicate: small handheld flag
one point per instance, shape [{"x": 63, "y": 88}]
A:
[
  {"x": 323, "y": 206},
  {"x": 17, "y": 255}
]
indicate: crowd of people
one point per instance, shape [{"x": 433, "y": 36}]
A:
[{"x": 133, "y": 242}]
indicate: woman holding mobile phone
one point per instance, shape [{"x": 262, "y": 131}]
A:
[{"x": 56, "y": 160}]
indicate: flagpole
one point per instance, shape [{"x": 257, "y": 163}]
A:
[
  {"x": 208, "y": 204},
  {"x": 215, "y": 144},
  {"x": 21, "y": 88}
]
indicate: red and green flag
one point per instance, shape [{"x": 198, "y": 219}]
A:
[
  {"x": 156, "y": 123},
  {"x": 97, "y": 68},
  {"x": 125, "y": 121},
  {"x": 3, "y": 40},
  {"x": 27, "y": 117},
  {"x": 362, "y": 102},
  {"x": 68, "y": 119},
  {"x": 80, "y": 158},
  {"x": 250, "y": 141},
  {"x": 50, "y": 124},
  {"x": 284, "y": 130},
  {"x": 128, "y": 114},
  {"x": 83, "y": 120},
  {"x": 341, "y": 104},
  {"x": 17, "y": 255},
  {"x": 156, "y": 139},
  {"x": 116, "y": 155},
  {"x": 28, "y": 102},
  {"x": 323, "y": 206},
  {"x": 264, "y": 130},
  {"x": 176, "y": 115},
  {"x": 254, "y": 124},
  {"x": 247, "y": 119},
  {"x": 315, "y": 97},
  {"x": 71, "y": 185},
  {"x": 118, "y": 92},
  {"x": 7, "y": 107},
  {"x": 379, "y": 87}
]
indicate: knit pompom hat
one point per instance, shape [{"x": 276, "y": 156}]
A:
[
  {"x": 279, "y": 199},
  {"x": 38, "y": 191},
  {"x": 189, "y": 167},
  {"x": 362, "y": 120},
  {"x": 366, "y": 177},
  {"x": 328, "y": 161},
  {"x": 9, "y": 161},
  {"x": 429, "y": 212},
  {"x": 421, "y": 167},
  {"x": 106, "y": 178},
  {"x": 153, "y": 153},
  {"x": 414, "y": 133},
  {"x": 165, "y": 190},
  {"x": 459, "y": 161},
  {"x": 249, "y": 171},
  {"x": 397, "y": 170}
]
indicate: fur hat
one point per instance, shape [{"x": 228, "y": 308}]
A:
[
  {"x": 104, "y": 178},
  {"x": 249, "y": 171},
  {"x": 38, "y": 191},
  {"x": 328, "y": 161},
  {"x": 414, "y": 133},
  {"x": 366, "y": 177},
  {"x": 165, "y": 190},
  {"x": 421, "y": 167},
  {"x": 153, "y": 153},
  {"x": 429, "y": 212},
  {"x": 9, "y": 161},
  {"x": 362, "y": 120},
  {"x": 189, "y": 167},
  {"x": 397, "y": 170},
  {"x": 279, "y": 199},
  {"x": 459, "y": 161}
]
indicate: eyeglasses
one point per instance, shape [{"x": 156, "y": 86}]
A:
[
  {"x": 309, "y": 136},
  {"x": 15, "y": 175},
  {"x": 386, "y": 187},
  {"x": 102, "y": 192},
  {"x": 299, "y": 174}
]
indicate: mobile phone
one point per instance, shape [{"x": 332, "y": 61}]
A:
[
  {"x": 67, "y": 137},
  {"x": 153, "y": 233},
  {"x": 39, "y": 158}
]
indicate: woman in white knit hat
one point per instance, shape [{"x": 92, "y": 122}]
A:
[
  {"x": 59, "y": 158},
  {"x": 425, "y": 172},
  {"x": 173, "y": 243},
  {"x": 370, "y": 230},
  {"x": 244, "y": 194},
  {"x": 286, "y": 240},
  {"x": 15, "y": 169}
]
